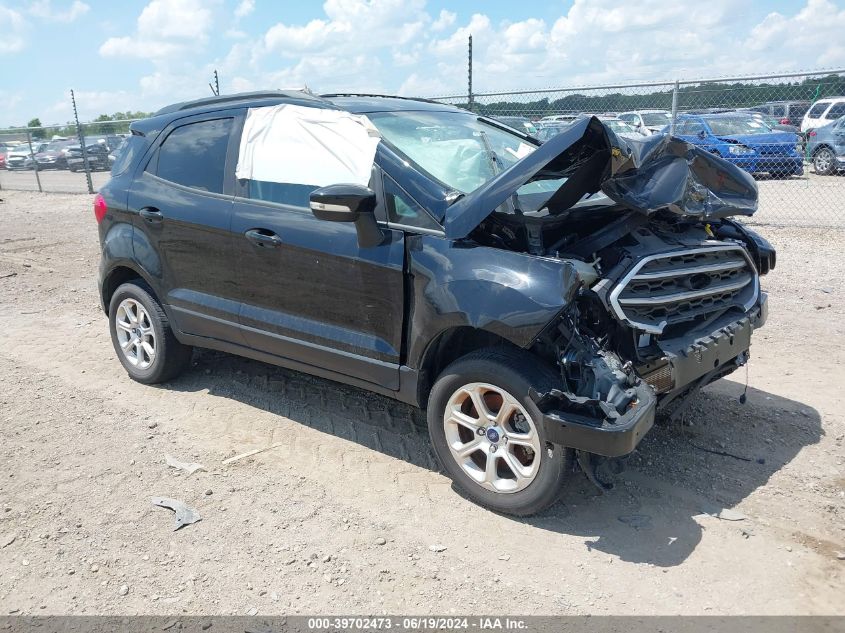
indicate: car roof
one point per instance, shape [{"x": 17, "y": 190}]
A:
[
  {"x": 825, "y": 99},
  {"x": 368, "y": 103}
]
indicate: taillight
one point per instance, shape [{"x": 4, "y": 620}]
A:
[
  {"x": 811, "y": 133},
  {"x": 100, "y": 208},
  {"x": 784, "y": 121}
]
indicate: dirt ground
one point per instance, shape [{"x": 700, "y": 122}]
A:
[{"x": 347, "y": 513}]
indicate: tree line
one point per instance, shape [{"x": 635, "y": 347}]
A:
[
  {"x": 117, "y": 123},
  {"x": 690, "y": 97}
]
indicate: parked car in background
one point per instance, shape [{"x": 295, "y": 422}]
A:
[
  {"x": 20, "y": 157},
  {"x": 745, "y": 141},
  {"x": 561, "y": 118},
  {"x": 114, "y": 152},
  {"x": 97, "y": 152},
  {"x": 548, "y": 129},
  {"x": 622, "y": 128},
  {"x": 452, "y": 264},
  {"x": 826, "y": 147},
  {"x": 785, "y": 112},
  {"x": 647, "y": 122},
  {"x": 521, "y": 123},
  {"x": 53, "y": 155},
  {"x": 823, "y": 112},
  {"x": 2, "y": 159}
]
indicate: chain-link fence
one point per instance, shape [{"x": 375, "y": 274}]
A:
[
  {"x": 796, "y": 164},
  {"x": 62, "y": 158},
  {"x": 780, "y": 128}
]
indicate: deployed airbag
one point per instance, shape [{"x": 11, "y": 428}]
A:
[{"x": 309, "y": 146}]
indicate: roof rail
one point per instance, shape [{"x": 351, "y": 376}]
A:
[
  {"x": 366, "y": 94},
  {"x": 240, "y": 96}
]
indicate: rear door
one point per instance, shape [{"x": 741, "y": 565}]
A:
[
  {"x": 183, "y": 203},
  {"x": 309, "y": 293}
]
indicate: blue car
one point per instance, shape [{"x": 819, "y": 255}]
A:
[{"x": 745, "y": 141}]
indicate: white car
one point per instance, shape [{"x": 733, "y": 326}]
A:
[
  {"x": 647, "y": 122},
  {"x": 823, "y": 112},
  {"x": 622, "y": 128}
]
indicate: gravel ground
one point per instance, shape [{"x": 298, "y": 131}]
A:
[{"x": 345, "y": 512}]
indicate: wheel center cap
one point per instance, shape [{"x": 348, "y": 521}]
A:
[{"x": 493, "y": 435}]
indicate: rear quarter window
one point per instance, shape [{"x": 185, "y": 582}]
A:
[
  {"x": 127, "y": 152},
  {"x": 836, "y": 110}
]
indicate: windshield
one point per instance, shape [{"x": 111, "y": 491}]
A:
[
  {"x": 55, "y": 145},
  {"x": 737, "y": 125},
  {"x": 458, "y": 149},
  {"x": 656, "y": 118}
]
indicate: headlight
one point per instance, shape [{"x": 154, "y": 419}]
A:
[
  {"x": 798, "y": 148},
  {"x": 739, "y": 150}
]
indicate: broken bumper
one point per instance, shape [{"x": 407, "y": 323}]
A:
[{"x": 603, "y": 437}]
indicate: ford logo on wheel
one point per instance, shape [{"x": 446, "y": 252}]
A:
[{"x": 493, "y": 435}]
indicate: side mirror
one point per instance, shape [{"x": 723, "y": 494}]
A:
[{"x": 349, "y": 203}]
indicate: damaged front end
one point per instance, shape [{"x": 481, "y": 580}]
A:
[{"x": 669, "y": 290}]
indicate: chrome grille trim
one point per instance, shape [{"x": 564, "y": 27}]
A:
[{"x": 726, "y": 265}]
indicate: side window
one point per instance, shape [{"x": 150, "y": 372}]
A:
[
  {"x": 779, "y": 111},
  {"x": 817, "y": 110},
  {"x": 194, "y": 155},
  {"x": 402, "y": 209},
  {"x": 836, "y": 110},
  {"x": 281, "y": 192}
]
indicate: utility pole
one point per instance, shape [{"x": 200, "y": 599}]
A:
[
  {"x": 215, "y": 87},
  {"x": 469, "y": 75},
  {"x": 82, "y": 144}
]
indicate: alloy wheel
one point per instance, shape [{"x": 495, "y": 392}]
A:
[
  {"x": 135, "y": 333},
  {"x": 492, "y": 438}
]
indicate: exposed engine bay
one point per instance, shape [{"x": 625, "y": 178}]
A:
[{"x": 668, "y": 289}]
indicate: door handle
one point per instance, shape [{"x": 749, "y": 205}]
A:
[
  {"x": 263, "y": 237},
  {"x": 151, "y": 214}
]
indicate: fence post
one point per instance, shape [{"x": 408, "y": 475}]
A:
[
  {"x": 82, "y": 145},
  {"x": 674, "y": 108},
  {"x": 469, "y": 75},
  {"x": 34, "y": 162}
]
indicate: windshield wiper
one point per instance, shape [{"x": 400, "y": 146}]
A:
[{"x": 491, "y": 155}]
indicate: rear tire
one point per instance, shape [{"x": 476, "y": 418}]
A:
[
  {"x": 504, "y": 462},
  {"x": 142, "y": 336},
  {"x": 824, "y": 161}
]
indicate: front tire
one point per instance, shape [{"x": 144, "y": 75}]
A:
[
  {"x": 142, "y": 336},
  {"x": 486, "y": 432}
]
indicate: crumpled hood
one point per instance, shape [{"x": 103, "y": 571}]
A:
[{"x": 657, "y": 172}]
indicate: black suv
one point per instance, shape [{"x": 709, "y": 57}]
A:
[{"x": 540, "y": 301}]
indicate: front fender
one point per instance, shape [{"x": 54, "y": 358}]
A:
[{"x": 455, "y": 284}]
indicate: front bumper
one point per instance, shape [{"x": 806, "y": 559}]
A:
[
  {"x": 603, "y": 437},
  {"x": 710, "y": 355},
  {"x": 782, "y": 164}
]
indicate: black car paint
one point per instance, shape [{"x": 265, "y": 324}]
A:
[{"x": 367, "y": 317}]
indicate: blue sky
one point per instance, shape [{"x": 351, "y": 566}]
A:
[{"x": 142, "y": 55}]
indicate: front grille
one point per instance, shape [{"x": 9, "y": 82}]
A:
[{"x": 681, "y": 286}]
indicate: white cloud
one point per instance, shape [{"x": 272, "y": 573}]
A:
[
  {"x": 444, "y": 20},
  {"x": 244, "y": 8},
  {"x": 12, "y": 26},
  {"x": 44, "y": 10},
  {"x": 166, "y": 28}
]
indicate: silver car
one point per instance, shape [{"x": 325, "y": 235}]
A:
[{"x": 826, "y": 147}]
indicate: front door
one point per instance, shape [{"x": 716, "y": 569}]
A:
[{"x": 310, "y": 294}]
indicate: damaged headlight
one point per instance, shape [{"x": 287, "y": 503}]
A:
[{"x": 740, "y": 150}]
